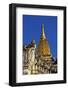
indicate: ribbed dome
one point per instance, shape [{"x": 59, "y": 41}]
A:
[{"x": 43, "y": 47}]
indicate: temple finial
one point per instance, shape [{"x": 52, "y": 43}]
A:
[{"x": 43, "y": 33}]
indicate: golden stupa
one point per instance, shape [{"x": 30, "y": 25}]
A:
[{"x": 43, "y": 47}]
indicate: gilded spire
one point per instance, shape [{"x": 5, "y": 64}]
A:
[
  {"x": 43, "y": 33},
  {"x": 43, "y": 47}
]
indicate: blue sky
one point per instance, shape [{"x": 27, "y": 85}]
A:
[{"x": 32, "y": 26}]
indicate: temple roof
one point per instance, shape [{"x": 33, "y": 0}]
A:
[{"x": 32, "y": 44}]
